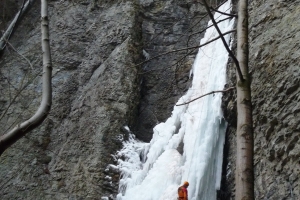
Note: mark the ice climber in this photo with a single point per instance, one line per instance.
(182, 191)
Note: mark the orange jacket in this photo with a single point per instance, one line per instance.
(182, 193)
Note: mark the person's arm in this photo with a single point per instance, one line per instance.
(185, 194)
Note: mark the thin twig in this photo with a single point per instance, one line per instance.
(6, 35)
(223, 13)
(183, 49)
(208, 27)
(201, 18)
(18, 93)
(17, 118)
(181, 59)
(231, 88)
(18, 53)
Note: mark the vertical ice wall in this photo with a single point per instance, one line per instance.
(198, 125)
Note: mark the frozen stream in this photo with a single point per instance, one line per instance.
(199, 126)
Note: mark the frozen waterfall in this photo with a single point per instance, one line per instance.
(199, 126)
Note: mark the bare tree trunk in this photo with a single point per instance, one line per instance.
(244, 179)
(20, 130)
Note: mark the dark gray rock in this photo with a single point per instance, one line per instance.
(94, 46)
(97, 90)
(166, 26)
(275, 74)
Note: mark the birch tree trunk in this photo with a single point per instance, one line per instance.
(20, 130)
(244, 180)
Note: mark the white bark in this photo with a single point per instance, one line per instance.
(244, 179)
(20, 130)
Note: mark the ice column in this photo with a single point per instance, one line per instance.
(153, 171)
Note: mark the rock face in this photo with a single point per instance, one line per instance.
(95, 46)
(98, 88)
(167, 25)
(8, 10)
(274, 52)
(276, 95)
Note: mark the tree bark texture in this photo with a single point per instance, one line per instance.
(244, 179)
(20, 130)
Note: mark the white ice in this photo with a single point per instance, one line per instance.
(154, 171)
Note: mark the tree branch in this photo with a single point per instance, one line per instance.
(19, 53)
(20, 130)
(224, 42)
(209, 27)
(202, 17)
(5, 37)
(231, 88)
(223, 13)
(18, 93)
(183, 49)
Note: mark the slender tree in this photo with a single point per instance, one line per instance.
(20, 130)
(244, 179)
(244, 161)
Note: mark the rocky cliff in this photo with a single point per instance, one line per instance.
(98, 88)
(274, 52)
(95, 47)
